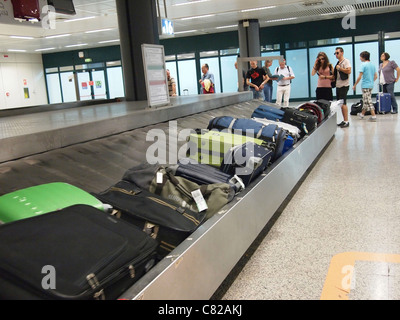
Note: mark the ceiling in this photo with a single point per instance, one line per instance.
(95, 23)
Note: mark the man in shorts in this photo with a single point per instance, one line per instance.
(342, 75)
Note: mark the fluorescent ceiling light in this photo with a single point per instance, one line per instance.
(22, 37)
(58, 36)
(76, 45)
(45, 49)
(198, 17)
(98, 30)
(188, 31)
(278, 20)
(16, 50)
(224, 27)
(108, 41)
(80, 19)
(255, 9)
(186, 3)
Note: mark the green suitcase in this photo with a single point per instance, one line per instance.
(37, 200)
(210, 146)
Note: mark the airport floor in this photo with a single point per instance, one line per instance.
(338, 236)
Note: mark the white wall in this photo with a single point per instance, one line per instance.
(19, 71)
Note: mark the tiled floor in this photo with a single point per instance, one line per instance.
(349, 202)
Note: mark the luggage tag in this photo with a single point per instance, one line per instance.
(199, 199)
(159, 177)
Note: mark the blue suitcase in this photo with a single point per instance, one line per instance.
(383, 103)
(268, 112)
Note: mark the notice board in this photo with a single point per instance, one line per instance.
(155, 75)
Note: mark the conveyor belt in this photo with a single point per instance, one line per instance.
(96, 165)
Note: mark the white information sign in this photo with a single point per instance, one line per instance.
(155, 75)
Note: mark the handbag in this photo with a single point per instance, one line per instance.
(333, 82)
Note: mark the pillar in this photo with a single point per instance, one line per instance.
(137, 21)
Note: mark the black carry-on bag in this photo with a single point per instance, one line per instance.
(77, 253)
(160, 218)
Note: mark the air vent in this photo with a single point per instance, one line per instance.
(326, 10)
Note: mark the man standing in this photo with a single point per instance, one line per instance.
(284, 85)
(255, 79)
(342, 72)
(207, 75)
(367, 77)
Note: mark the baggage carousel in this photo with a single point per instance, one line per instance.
(94, 155)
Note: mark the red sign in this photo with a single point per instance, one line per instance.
(91, 83)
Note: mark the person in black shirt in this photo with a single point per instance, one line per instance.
(256, 79)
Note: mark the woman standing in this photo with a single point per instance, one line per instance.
(387, 78)
(269, 85)
(324, 70)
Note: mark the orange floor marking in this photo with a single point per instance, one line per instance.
(338, 281)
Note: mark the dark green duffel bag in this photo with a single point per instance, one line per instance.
(161, 181)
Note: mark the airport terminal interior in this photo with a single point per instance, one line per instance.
(321, 223)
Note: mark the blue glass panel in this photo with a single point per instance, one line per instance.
(393, 48)
(229, 74)
(297, 61)
(373, 49)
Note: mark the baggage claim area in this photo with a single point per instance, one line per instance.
(76, 178)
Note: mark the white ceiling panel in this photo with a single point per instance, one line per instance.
(95, 23)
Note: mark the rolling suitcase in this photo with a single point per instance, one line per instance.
(210, 146)
(268, 112)
(36, 200)
(160, 218)
(247, 161)
(273, 136)
(383, 103)
(26, 10)
(313, 109)
(305, 121)
(77, 253)
(205, 174)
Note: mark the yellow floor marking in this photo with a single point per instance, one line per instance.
(338, 281)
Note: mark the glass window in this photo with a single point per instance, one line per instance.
(115, 82)
(330, 52)
(297, 61)
(99, 84)
(275, 64)
(188, 82)
(370, 37)
(325, 42)
(229, 52)
(206, 54)
(68, 86)
(392, 47)
(229, 74)
(51, 70)
(373, 49)
(213, 63)
(171, 66)
(85, 89)
(53, 88)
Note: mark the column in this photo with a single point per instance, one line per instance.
(249, 38)
(138, 24)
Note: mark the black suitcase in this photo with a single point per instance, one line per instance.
(205, 174)
(247, 161)
(306, 122)
(156, 216)
(77, 253)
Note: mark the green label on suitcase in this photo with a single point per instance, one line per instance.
(37, 200)
(211, 146)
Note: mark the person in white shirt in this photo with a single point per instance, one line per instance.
(284, 85)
